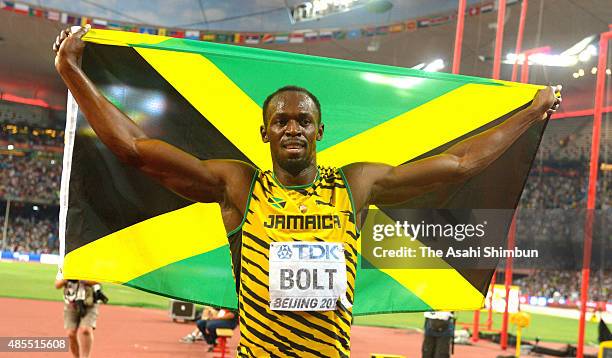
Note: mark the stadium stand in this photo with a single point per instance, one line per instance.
(31, 234)
(564, 285)
(33, 177)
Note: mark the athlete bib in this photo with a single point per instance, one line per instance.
(306, 276)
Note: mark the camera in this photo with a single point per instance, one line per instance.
(98, 295)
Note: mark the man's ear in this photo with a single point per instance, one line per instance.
(264, 134)
(320, 131)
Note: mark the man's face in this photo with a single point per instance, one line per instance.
(293, 129)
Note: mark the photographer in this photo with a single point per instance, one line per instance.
(81, 301)
(439, 331)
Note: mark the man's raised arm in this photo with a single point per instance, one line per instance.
(204, 181)
(381, 184)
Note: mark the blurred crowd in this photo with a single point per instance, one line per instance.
(22, 133)
(31, 234)
(563, 285)
(30, 178)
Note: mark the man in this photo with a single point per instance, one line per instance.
(80, 315)
(288, 306)
(438, 332)
(208, 313)
(208, 327)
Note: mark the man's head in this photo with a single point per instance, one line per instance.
(292, 125)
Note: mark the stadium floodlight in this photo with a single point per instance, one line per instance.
(434, 66)
(582, 51)
(402, 82)
(317, 9)
(399, 82)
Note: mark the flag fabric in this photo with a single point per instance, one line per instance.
(7, 5)
(326, 35)
(53, 15)
(411, 25)
(281, 38)
(369, 31)
(354, 34)
(21, 8)
(148, 30)
(177, 33)
(296, 37)
(267, 39)
(439, 20)
(382, 30)
(339, 35)
(114, 26)
(224, 37)
(192, 34)
(85, 20)
(474, 10)
(399, 27)
(311, 36)
(488, 7)
(99, 24)
(423, 23)
(117, 225)
(209, 37)
(252, 39)
(238, 38)
(37, 12)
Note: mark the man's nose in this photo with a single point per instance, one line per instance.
(293, 128)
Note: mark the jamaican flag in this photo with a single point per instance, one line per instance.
(120, 226)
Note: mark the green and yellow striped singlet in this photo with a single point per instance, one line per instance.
(323, 212)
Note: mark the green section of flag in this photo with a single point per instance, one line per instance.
(375, 291)
(184, 279)
(384, 91)
(376, 102)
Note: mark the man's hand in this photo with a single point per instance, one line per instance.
(60, 283)
(546, 101)
(69, 46)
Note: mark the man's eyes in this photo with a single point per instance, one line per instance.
(283, 121)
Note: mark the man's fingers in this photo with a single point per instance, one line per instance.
(82, 30)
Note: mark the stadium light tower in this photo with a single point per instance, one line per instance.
(588, 225)
(499, 39)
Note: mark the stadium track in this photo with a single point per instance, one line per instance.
(144, 332)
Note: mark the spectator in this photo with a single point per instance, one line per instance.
(208, 324)
(224, 319)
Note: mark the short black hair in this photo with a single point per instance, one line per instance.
(290, 88)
